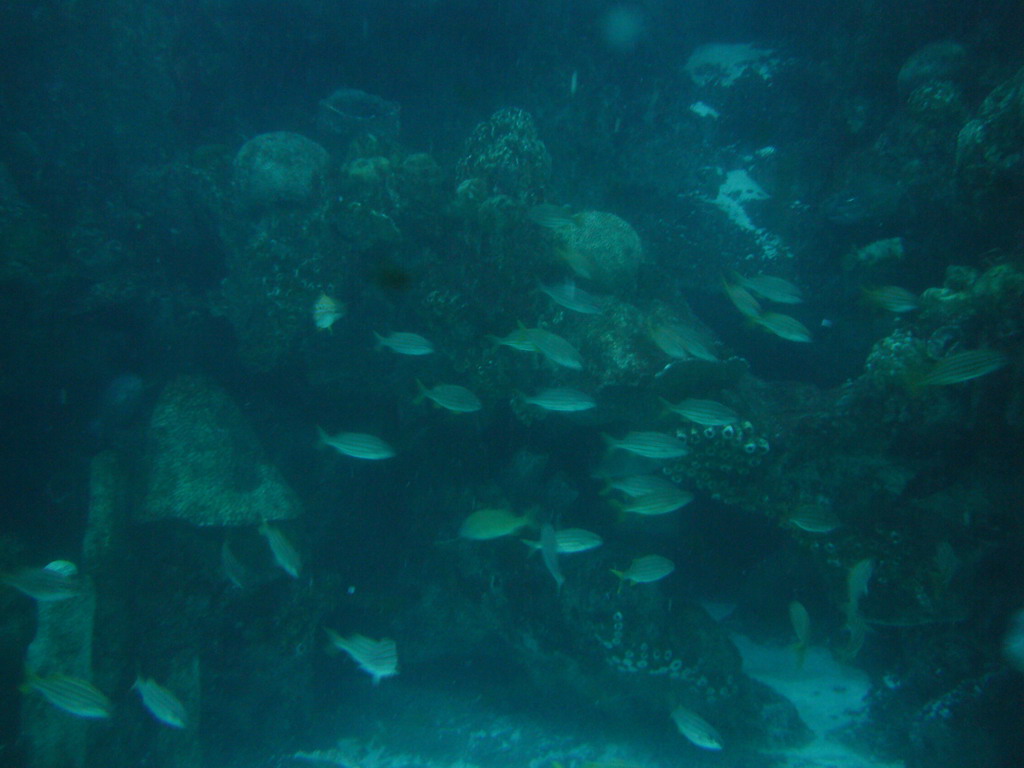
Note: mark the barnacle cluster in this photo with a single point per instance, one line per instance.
(722, 461)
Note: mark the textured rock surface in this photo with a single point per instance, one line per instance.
(205, 464)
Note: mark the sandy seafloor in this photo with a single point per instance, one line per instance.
(402, 724)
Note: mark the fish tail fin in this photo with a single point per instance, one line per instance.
(799, 649)
(378, 339)
(609, 441)
(667, 406)
(321, 437)
(30, 680)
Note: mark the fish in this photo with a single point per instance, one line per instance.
(357, 445)
(771, 288)
(405, 343)
(639, 485)
(696, 729)
(742, 300)
(646, 569)
(520, 339)
(378, 658)
(486, 524)
(657, 502)
(549, 551)
(682, 342)
(327, 311)
(284, 551)
(568, 295)
(555, 348)
(570, 541)
(561, 399)
(783, 326)
(451, 397)
(50, 583)
(653, 445)
(161, 703)
(813, 518)
(707, 413)
(551, 216)
(72, 694)
(857, 579)
(962, 366)
(236, 572)
(801, 622)
(892, 298)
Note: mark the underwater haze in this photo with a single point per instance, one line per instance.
(512, 384)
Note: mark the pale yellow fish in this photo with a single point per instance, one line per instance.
(857, 580)
(563, 399)
(707, 413)
(658, 502)
(962, 366)
(358, 445)
(892, 298)
(487, 524)
(451, 397)
(772, 288)
(813, 518)
(555, 348)
(784, 326)
(327, 311)
(47, 584)
(285, 554)
(639, 485)
(857, 631)
(696, 729)
(405, 343)
(646, 569)
(71, 694)
(378, 658)
(161, 703)
(550, 216)
(572, 297)
(570, 541)
(652, 445)
(520, 339)
(683, 341)
(742, 300)
(801, 622)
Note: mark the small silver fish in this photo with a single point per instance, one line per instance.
(405, 343)
(378, 658)
(451, 397)
(571, 297)
(555, 348)
(742, 300)
(653, 445)
(284, 551)
(161, 703)
(358, 445)
(784, 326)
(48, 584)
(707, 413)
(639, 485)
(658, 502)
(772, 288)
(561, 399)
(485, 524)
(696, 729)
(570, 541)
(646, 569)
(72, 694)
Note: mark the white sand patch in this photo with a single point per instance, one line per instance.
(724, 63)
(828, 695)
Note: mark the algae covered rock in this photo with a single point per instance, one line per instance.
(206, 466)
(508, 156)
(604, 248)
(279, 168)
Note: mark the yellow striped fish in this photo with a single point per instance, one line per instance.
(772, 288)
(48, 584)
(283, 550)
(485, 524)
(783, 326)
(892, 298)
(639, 485)
(451, 397)
(555, 348)
(563, 399)
(696, 729)
(652, 445)
(378, 658)
(742, 300)
(962, 366)
(357, 445)
(646, 569)
(405, 343)
(161, 703)
(72, 694)
(570, 541)
(707, 413)
(657, 503)
(801, 622)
